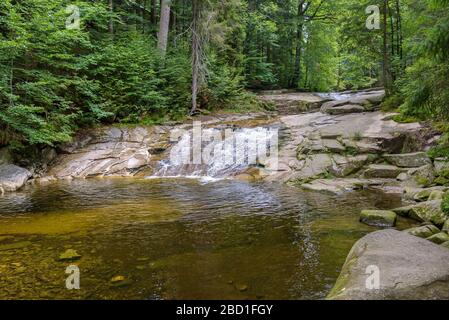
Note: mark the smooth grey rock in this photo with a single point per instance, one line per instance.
(13, 177)
(107, 151)
(408, 160)
(409, 268)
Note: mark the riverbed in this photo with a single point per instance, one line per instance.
(178, 239)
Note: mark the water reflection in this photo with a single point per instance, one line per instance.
(178, 239)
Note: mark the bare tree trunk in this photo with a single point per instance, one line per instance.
(196, 54)
(111, 22)
(154, 12)
(164, 26)
(386, 58)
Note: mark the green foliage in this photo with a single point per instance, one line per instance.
(442, 149)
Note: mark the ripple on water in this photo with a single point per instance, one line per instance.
(178, 238)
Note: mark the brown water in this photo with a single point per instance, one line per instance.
(178, 239)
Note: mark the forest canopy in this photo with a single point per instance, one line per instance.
(65, 65)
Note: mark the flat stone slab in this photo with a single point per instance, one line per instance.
(383, 171)
(345, 109)
(408, 160)
(407, 267)
(339, 186)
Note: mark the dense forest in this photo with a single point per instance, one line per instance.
(65, 65)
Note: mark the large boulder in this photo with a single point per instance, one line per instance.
(108, 151)
(429, 211)
(408, 160)
(422, 176)
(13, 177)
(409, 268)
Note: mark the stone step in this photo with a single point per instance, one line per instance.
(383, 171)
(408, 160)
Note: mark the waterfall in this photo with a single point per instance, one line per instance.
(219, 153)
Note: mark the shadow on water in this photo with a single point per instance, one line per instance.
(178, 239)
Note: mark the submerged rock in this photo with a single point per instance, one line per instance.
(69, 255)
(409, 268)
(13, 177)
(378, 218)
(408, 160)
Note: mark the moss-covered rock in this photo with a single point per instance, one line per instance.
(424, 231)
(446, 244)
(382, 171)
(439, 238)
(69, 255)
(429, 211)
(378, 218)
(436, 195)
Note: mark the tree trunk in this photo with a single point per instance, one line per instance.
(299, 36)
(154, 12)
(111, 22)
(386, 58)
(164, 26)
(196, 54)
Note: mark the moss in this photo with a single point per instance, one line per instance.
(445, 204)
(405, 119)
(351, 151)
(441, 181)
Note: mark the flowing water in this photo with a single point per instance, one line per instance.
(178, 239)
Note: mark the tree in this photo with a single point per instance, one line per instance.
(164, 26)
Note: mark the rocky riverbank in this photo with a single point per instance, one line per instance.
(328, 143)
